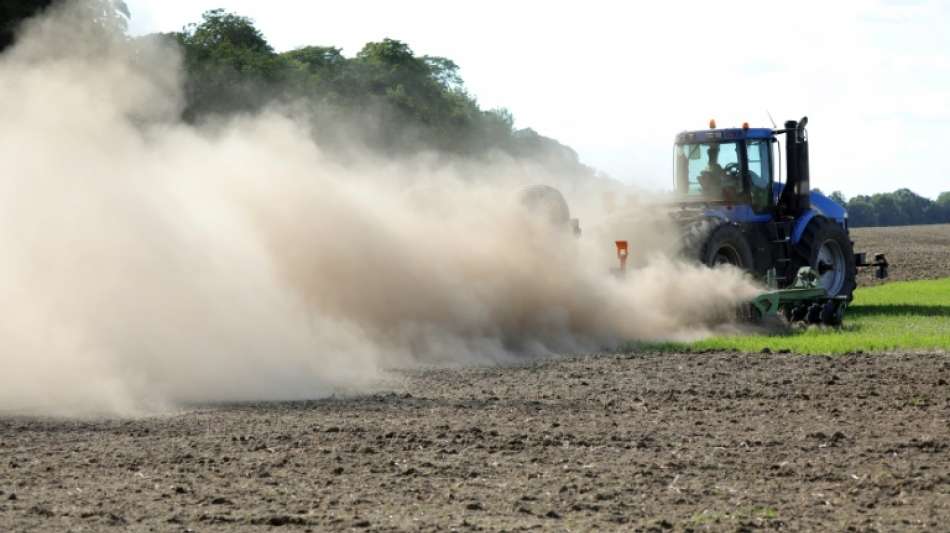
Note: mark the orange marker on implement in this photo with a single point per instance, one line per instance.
(622, 252)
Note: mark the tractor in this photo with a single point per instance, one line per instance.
(735, 208)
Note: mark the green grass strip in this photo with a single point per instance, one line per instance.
(911, 315)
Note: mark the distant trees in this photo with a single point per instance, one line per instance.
(837, 196)
(898, 208)
(942, 206)
(386, 98)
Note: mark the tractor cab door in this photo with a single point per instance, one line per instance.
(759, 172)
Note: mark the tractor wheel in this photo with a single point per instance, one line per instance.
(726, 245)
(548, 203)
(825, 247)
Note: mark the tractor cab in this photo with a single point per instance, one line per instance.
(736, 168)
(727, 166)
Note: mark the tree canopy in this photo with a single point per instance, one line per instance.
(14, 12)
(113, 14)
(386, 97)
(899, 208)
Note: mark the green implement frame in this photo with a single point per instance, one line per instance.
(805, 301)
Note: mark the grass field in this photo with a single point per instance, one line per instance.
(910, 315)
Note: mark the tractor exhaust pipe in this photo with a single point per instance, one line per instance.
(796, 197)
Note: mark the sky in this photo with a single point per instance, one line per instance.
(617, 80)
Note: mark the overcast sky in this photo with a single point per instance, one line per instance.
(617, 80)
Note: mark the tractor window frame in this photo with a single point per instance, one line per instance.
(763, 202)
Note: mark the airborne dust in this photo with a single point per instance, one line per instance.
(147, 263)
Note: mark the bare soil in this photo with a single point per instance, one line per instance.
(648, 442)
(915, 252)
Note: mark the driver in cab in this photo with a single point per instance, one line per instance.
(717, 183)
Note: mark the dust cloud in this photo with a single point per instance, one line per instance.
(147, 263)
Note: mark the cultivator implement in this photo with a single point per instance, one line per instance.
(804, 301)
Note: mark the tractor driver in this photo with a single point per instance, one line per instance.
(712, 176)
(717, 182)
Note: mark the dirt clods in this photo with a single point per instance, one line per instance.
(651, 442)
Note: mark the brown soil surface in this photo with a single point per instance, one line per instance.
(629, 442)
(915, 252)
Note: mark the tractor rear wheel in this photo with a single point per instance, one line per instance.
(826, 247)
(548, 203)
(726, 245)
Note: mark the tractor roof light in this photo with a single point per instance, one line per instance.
(712, 123)
(745, 126)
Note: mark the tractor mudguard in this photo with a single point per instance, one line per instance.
(800, 225)
(820, 205)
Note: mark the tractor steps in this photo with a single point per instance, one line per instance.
(780, 237)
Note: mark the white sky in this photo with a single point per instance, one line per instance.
(617, 80)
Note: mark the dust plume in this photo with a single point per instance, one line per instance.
(148, 263)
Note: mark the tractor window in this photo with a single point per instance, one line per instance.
(708, 171)
(760, 173)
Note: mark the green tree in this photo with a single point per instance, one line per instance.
(222, 31)
(421, 99)
(888, 211)
(314, 75)
(444, 71)
(861, 212)
(14, 12)
(231, 67)
(942, 208)
(914, 208)
(386, 97)
(317, 59)
(109, 14)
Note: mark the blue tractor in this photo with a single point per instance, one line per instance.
(735, 208)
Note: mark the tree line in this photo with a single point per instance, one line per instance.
(385, 98)
(902, 207)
